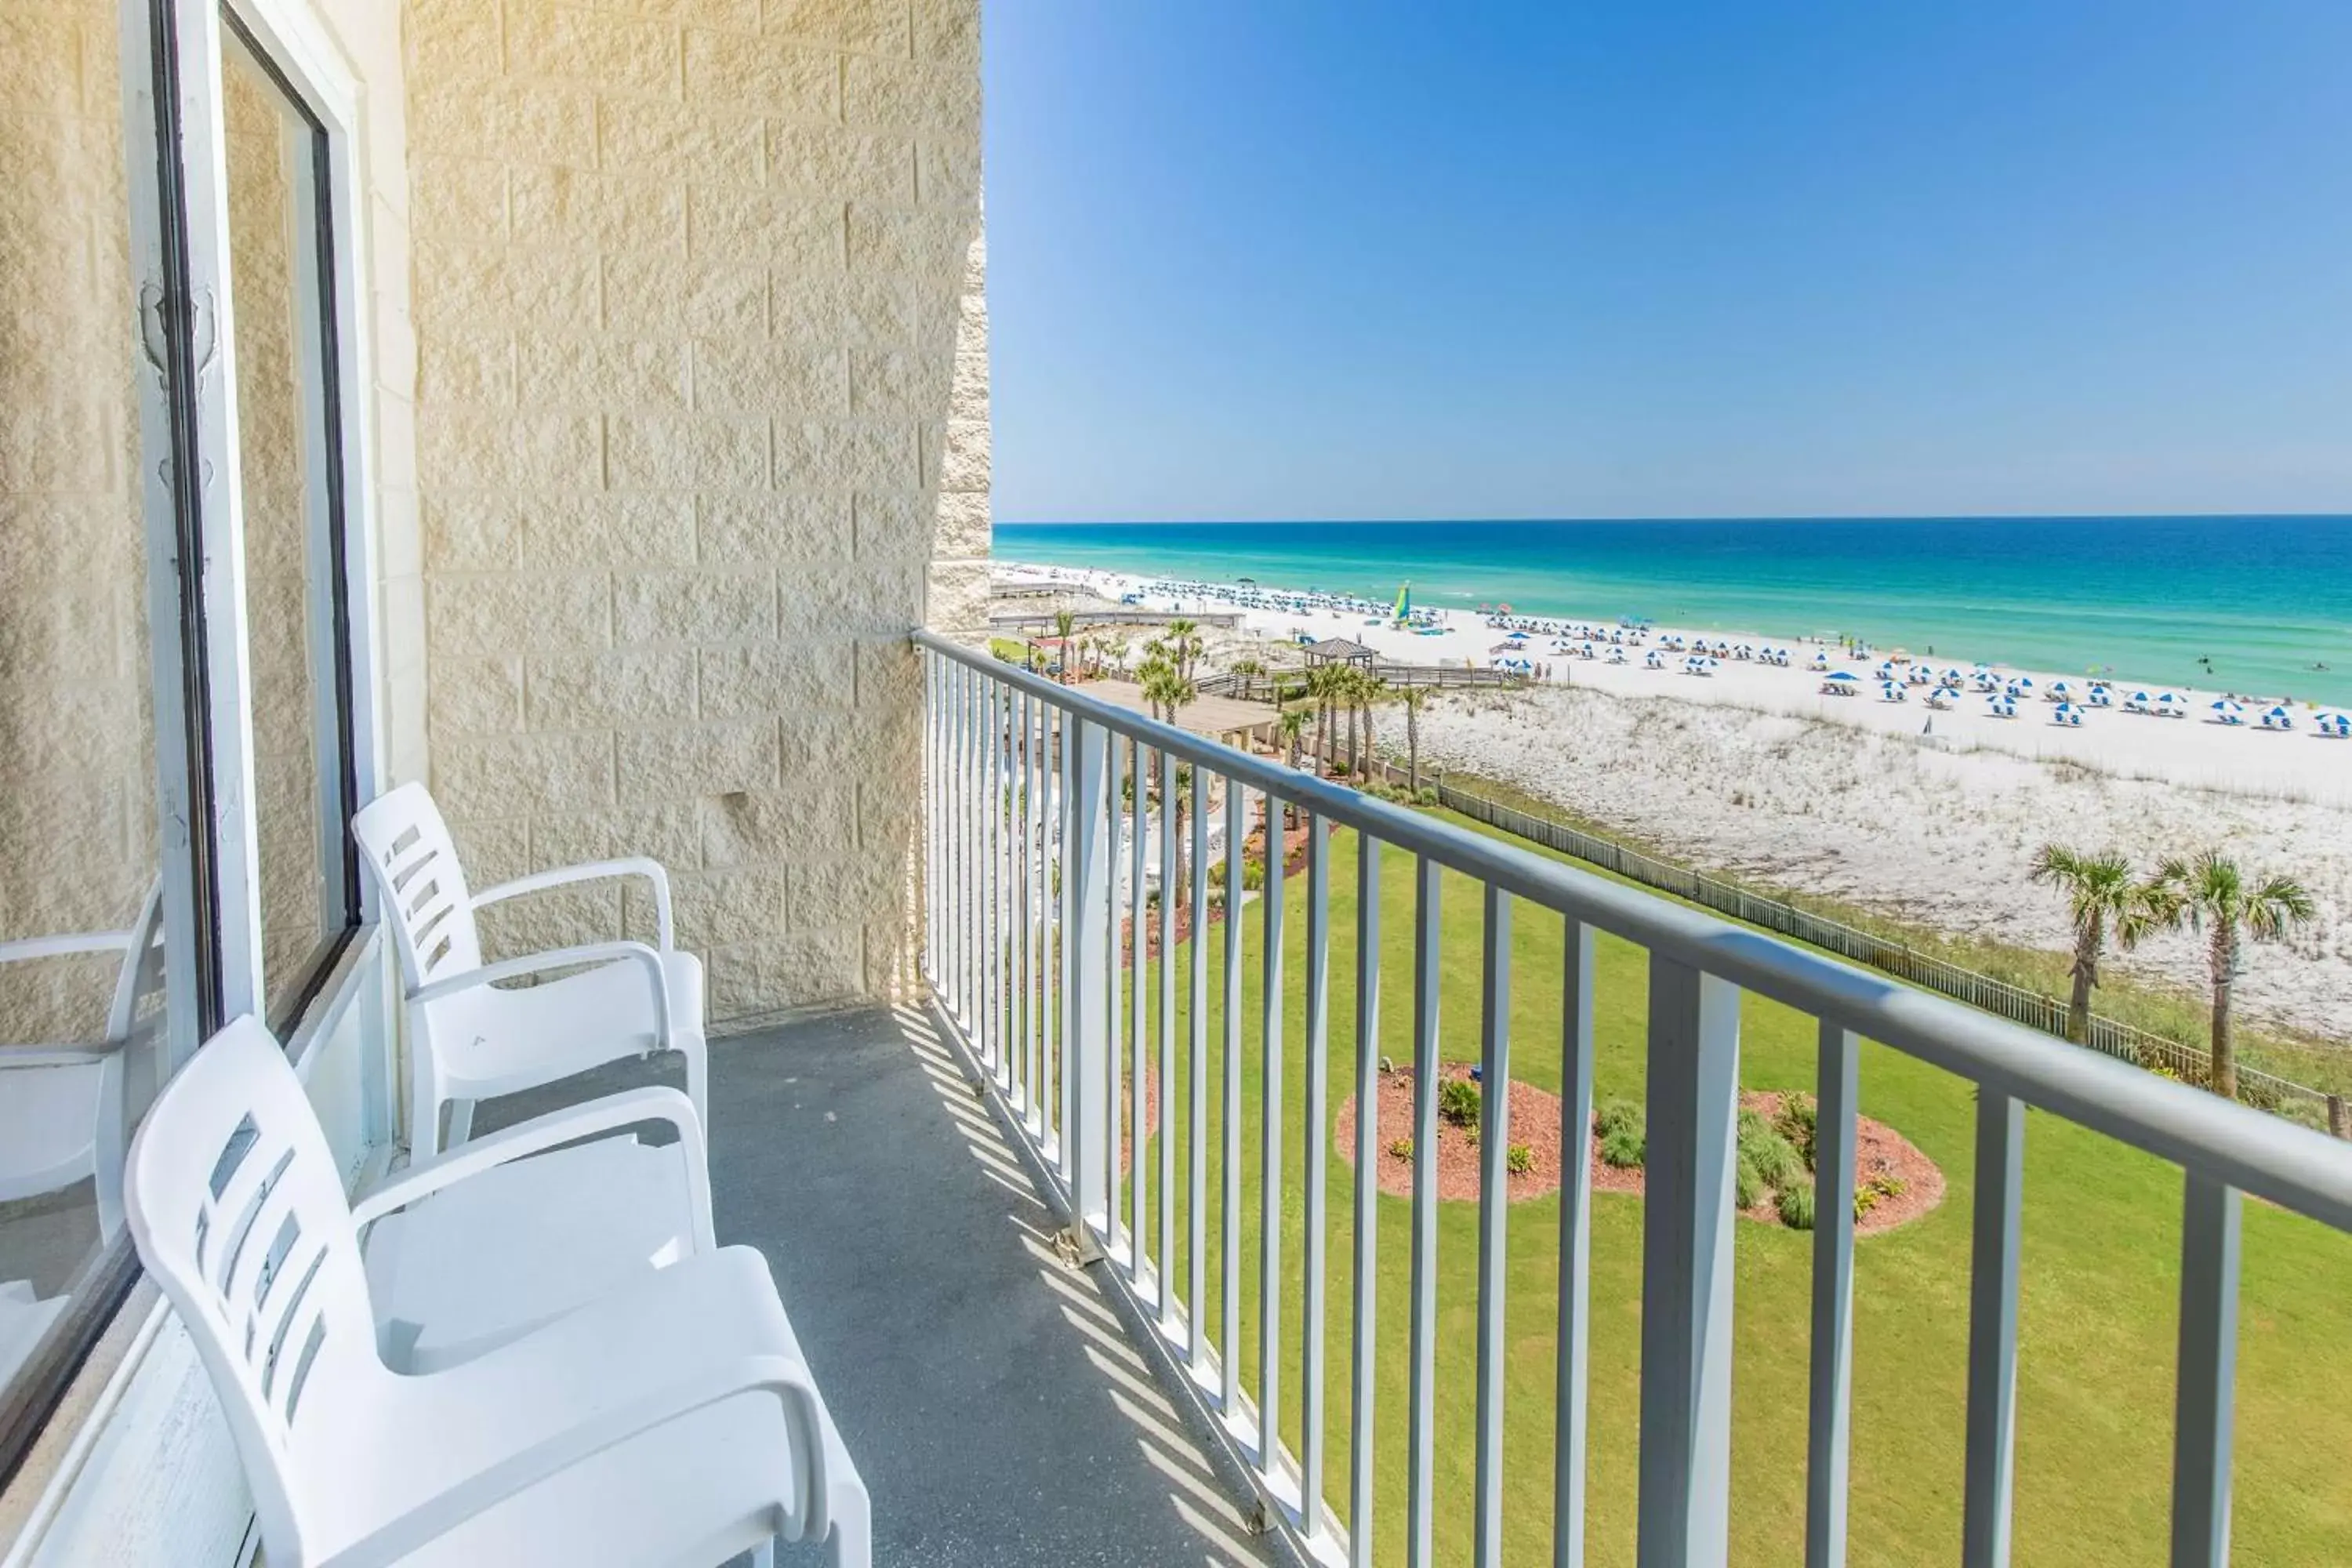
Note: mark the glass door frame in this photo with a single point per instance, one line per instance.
(175, 155)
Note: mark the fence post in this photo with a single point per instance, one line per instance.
(2336, 1115)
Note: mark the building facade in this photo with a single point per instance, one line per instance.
(575, 407)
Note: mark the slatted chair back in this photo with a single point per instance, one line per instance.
(412, 863)
(238, 1209)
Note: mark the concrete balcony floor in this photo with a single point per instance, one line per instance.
(998, 1403)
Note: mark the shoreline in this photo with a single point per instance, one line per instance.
(2295, 764)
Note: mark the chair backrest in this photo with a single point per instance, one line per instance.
(237, 1210)
(412, 863)
(143, 967)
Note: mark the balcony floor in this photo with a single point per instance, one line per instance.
(992, 1397)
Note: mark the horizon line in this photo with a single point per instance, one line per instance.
(1678, 517)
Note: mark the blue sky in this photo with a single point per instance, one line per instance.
(1270, 258)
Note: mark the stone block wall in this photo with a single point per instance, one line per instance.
(702, 435)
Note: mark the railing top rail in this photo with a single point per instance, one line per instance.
(2290, 1165)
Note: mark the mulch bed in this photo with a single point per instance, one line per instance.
(1535, 1122)
(1879, 1150)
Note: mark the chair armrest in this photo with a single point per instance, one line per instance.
(679, 1339)
(589, 871)
(33, 947)
(563, 958)
(557, 1128)
(592, 1429)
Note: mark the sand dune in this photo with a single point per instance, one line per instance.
(1941, 837)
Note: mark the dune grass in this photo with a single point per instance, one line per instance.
(2097, 1317)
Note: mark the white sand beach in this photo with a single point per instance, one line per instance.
(1751, 769)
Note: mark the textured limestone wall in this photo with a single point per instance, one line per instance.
(702, 435)
(77, 819)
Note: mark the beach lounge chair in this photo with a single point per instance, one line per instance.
(471, 1041)
(671, 1420)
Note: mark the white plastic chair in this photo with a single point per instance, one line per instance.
(670, 1421)
(62, 1112)
(471, 1041)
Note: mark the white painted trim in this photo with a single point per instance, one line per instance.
(166, 671)
(228, 675)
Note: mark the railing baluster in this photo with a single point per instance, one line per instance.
(1052, 912)
(1494, 1220)
(1140, 1040)
(1829, 1407)
(1269, 1173)
(1019, 907)
(1318, 1052)
(991, 1029)
(929, 664)
(1106, 1088)
(2208, 1375)
(1568, 1457)
(960, 997)
(1041, 854)
(1065, 945)
(1231, 1190)
(1687, 1266)
(1992, 1331)
(1168, 814)
(1421, 1435)
(1364, 1380)
(1089, 1013)
(1196, 1243)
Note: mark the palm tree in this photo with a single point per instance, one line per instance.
(1247, 672)
(1184, 642)
(1371, 690)
(1319, 692)
(1414, 699)
(1065, 622)
(2211, 895)
(1290, 727)
(2100, 892)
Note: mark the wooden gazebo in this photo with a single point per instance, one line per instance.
(1338, 650)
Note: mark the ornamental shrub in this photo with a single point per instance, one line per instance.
(1624, 1148)
(1796, 1122)
(1520, 1159)
(1459, 1101)
(1796, 1204)
(1617, 1116)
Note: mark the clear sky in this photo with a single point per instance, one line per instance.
(1273, 258)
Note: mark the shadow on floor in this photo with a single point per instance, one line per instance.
(997, 1409)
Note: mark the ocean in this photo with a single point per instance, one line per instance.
(2250, 604)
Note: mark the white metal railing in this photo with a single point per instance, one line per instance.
(1028, 903)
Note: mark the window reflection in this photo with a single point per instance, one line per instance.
(291, 514)
(81, 995)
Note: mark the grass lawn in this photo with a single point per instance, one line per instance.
(2097, 1318)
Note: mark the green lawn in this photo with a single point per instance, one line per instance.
(2097, 1318)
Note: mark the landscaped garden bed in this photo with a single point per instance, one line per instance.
(1894, 1182)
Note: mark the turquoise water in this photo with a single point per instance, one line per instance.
(2264, 599)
